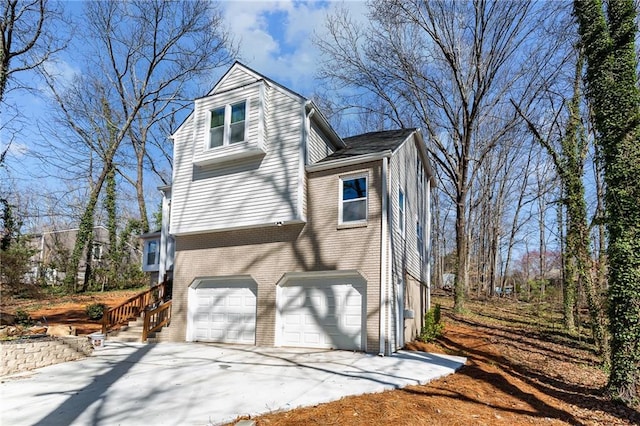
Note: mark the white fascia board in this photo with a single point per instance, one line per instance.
(343, 162)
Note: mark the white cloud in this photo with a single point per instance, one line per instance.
(16, 149)
(62, 71)
(276, 37)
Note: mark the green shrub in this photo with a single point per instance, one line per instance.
(22, 318)
(433, 326)
(95, 310)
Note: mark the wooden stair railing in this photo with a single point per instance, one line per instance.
(155, 319)
(133, 307)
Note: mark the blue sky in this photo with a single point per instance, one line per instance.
(274, 37)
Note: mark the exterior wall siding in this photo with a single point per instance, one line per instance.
(414, 299)
(403, 176)
(408, 266)
(236, 78)
(318, 146)
(243, 193)
(267, 253)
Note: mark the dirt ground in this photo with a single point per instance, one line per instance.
(67, 310)
(521, 369)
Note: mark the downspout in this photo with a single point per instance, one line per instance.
(383, 260)
(391, 292)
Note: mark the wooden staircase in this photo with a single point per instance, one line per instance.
(132, 332)
(141, 317)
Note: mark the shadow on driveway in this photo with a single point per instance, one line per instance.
(97, 390)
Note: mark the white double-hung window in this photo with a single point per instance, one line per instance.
(227, 124)
(353, 199)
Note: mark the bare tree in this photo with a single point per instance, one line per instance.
(567, 145)
(28, 39)
(446, 66)
(142, 57)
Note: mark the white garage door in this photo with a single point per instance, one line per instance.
(322, 313)
(224, 312)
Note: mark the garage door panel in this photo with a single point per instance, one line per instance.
(225, 312)
(322, 313)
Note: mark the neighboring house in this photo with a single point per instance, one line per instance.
(54, 248)
(288, 235)
(158, 247)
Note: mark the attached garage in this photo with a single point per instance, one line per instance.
(322, 310)
(222, 310)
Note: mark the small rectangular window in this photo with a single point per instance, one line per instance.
(420, 239)
(152, 252)
(401, 211)
(353, 200)
(96, 251)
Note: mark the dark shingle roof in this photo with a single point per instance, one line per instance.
(370, 143)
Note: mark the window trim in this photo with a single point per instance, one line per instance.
(226, 132)
(341, 200)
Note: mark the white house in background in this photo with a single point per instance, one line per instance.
(287, 234)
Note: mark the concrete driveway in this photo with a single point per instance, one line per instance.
(201, 384)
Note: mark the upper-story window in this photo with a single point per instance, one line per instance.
(420, 239)
(353, 199)
(227, 124)
(401, 210)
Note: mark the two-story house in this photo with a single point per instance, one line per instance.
(288, 235)
(52, 250)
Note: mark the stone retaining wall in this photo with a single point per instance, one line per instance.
(27, 355)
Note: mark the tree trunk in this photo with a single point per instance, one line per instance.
(460, 286)
(613, 91)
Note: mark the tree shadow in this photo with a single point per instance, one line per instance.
(67, 412)
(574, 394)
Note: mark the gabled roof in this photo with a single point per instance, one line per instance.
(371, 143)
(258, 76)
(309, 104)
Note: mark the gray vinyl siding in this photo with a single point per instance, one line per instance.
(318, 146)
(242, 193)
(403, 166)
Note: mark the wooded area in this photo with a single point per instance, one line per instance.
(530, 111)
